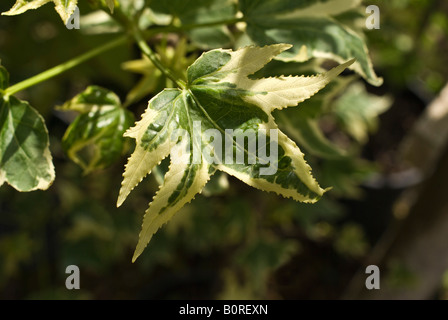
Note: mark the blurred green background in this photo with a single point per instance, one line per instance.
(240, 243)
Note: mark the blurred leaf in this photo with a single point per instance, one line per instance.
(14, 250)
(98, 22)
(350, 241)
(93, 97)
(309, 136)
(302, 123)
(95, 139)
(311, 28)
(199, 12)
(358, 111)
(111, 5)
(261, 257)
(219, 95)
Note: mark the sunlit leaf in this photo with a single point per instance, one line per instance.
(220, 102)
(64, 8)
(153, 80)
(25, 159)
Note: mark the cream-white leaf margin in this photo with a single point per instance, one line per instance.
(64, 8)
(268, 94)
(154, 216)
(276, 92)
(141, 159)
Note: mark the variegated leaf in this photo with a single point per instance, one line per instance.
(94, 140)
(25, 158)
(64, 8)
(222, 121)
(312, 27)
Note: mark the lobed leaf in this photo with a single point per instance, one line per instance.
(176, 59)
(94, 140)
(221, 108)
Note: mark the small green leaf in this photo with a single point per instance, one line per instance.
(25, 159)
(302, 124)
(345, 175)
(221, 108)
(358, 111)
(64, 8)
(111, 5)
(176, 59)
(99, 22)
(306, 132)
(95, 139)
(93, 97)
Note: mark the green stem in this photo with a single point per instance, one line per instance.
(140, 39)
(57, 70)
(154, 59)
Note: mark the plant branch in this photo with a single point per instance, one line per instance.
(57, 70)
(139, 37)
(147, 51)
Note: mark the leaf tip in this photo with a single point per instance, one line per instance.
(135, 256)
(349, 62)
(121, 197)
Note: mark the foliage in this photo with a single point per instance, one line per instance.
(227, 65)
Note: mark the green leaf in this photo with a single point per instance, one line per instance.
(95, 139)
(302, 124)
(199, 12)
(176, 59)
(64, 8)
(306, 132)
(221, 109)
(25, 159)
(99, 22)
(111, 5)
(309, 25)
(93, 97)
(358, 111)
(345, 175)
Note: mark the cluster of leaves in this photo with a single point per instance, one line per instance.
(237, 88)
